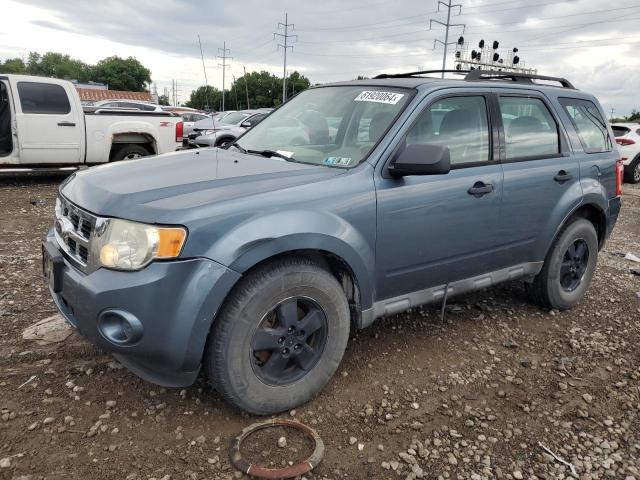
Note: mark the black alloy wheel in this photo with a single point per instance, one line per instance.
(574, 265)
(289, 341)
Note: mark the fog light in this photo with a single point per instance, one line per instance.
(119, 327)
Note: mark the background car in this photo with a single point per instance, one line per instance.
(189, 119)
(217, 132)
(628, 140)
(129, 104)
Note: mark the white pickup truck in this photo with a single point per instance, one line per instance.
(43, 125)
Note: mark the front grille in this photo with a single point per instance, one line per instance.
(73, 230)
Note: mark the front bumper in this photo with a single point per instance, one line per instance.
(174, 304)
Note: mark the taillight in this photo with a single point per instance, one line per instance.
(625, 141)
(619, 177)
(179, 131)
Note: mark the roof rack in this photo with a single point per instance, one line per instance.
(515, 77)
(479, 74)
(413, 74)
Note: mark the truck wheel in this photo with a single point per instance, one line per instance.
(632, 171)
(129, 151)
(568, 268)
(279, 337)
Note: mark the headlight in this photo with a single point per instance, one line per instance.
(208, 132)
(125, 245)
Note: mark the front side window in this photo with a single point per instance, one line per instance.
(44, 98)
(589, 124)
(335, 126)
(460, 123)
(529, 128)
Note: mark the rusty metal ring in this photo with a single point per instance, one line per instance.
(287, 472)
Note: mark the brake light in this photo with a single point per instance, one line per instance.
(179, 131)
(625, 141)
(619, 177)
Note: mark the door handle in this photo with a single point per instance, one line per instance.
(563, 177)
(66, 124)
(479, 189)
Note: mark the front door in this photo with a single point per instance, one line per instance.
(441, 228)
(50, 126)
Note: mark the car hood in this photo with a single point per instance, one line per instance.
(170, 188)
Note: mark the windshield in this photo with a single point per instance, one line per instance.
(233, 118)
(332, 126)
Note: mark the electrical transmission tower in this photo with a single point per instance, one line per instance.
(449, 6)
(224, 56)
(286, 45)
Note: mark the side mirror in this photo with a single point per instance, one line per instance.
(246, 124)
(422, 159)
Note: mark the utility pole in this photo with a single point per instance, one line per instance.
(225, 55)
(235, 89)
(286, 45)
(611, 117)
(447, 25)
(246, 87)
(206, 82)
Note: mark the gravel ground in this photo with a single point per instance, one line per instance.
(476, 397)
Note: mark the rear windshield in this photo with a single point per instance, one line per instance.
(620, 131)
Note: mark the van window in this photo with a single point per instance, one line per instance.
(529, 128)
(45, 98)
(589, 124)
(460, 123)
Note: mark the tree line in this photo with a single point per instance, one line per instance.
(253, 90)
(119, 73)
(634, 117)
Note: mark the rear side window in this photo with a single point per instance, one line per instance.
(620, 131)
(589, 124)
(45, 98)
(460, 123)
(529, 128)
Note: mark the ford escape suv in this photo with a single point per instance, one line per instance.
(254, 262)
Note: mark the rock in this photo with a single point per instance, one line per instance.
(360, 447)
(5, 462)
(352, 440)
(415, 405)
(385, 465)
(452, 459)
(587, 398)
(110, 403)
(394, 465)
(52, 329)
(48, 420)
(518, 475)
(282, 442)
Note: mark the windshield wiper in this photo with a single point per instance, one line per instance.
(271, 153)
(235, 144)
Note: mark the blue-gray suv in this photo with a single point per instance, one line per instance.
(254, 262)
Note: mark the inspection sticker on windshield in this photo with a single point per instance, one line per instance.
(379, 97)
(338, 161)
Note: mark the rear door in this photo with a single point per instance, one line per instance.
(541, 175)
(434, 229)
(50, 129)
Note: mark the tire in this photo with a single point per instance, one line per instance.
(224, 140)
(557, 286)
(242, 374)
(129, 151)
(632, 171)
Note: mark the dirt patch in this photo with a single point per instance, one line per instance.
(469, 398)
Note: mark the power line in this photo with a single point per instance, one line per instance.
(286, 46)
(447, 26)
(225, 55)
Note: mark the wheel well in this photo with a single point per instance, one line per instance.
(596, 216)
(143, 139)
(334, 264)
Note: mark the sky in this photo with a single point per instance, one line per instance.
(592, 43)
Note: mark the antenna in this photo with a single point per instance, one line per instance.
(206, 82)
